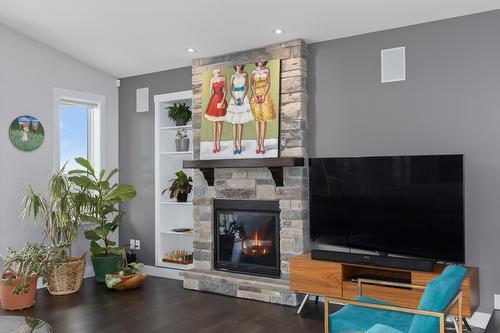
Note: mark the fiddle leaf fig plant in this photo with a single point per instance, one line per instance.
(102, 199)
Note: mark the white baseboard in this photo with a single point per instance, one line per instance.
(89, 272)
(163, 272)
(479, 319)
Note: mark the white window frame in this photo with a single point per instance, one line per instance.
(96, 136)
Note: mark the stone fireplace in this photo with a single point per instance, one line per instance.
(248, 221)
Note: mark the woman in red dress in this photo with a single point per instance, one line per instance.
(216, 109)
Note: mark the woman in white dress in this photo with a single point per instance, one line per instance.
(238, 110)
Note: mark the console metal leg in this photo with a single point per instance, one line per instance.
(316, 300)
(455, 323)
(467, 326)
(303, 303)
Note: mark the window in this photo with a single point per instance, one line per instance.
(78, 128)
(73, 134)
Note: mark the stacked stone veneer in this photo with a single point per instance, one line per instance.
(255, 183)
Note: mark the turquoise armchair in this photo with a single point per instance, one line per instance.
(373, 316)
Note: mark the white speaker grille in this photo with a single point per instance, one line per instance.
(393, 63)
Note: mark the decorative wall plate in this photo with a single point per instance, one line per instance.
(26, 133)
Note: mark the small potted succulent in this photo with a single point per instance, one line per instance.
(180, 113)
(180, 187)
(21, 271)
(182, 140)
(129, 277)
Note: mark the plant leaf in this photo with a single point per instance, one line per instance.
(86, 164)
(96, 249)
(121, 193)
(91, 235)
(111, 174)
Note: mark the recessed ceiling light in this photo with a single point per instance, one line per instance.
(190, 50)
(278, 31)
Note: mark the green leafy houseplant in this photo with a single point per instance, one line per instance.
(180, 113)
(32, 259)
(22, 269)
(112, 280)
(101, 200)
(59, 212)
(180, 187)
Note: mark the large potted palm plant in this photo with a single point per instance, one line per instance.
(59, 211)
(101, 200)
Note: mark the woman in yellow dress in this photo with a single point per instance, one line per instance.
(262, 104)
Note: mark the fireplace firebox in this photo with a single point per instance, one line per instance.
(247, 237)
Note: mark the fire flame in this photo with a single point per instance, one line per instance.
(255, 246)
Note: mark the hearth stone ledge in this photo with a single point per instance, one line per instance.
(242, 286)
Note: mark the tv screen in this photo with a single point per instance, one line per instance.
(406, 205)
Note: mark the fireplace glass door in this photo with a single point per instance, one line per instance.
(247, 237)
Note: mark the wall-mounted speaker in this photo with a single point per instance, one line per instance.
(393, 64)
(142, 100)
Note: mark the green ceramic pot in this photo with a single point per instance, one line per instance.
(106, 265)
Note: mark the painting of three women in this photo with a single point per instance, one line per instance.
(241, 111)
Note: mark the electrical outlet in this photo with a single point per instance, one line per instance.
(497, 302)
(132, 244)
(137, 244)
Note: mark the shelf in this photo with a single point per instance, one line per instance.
(174, 266)
(175, 203)
(176, 152)
(275, 165)
(175, 128)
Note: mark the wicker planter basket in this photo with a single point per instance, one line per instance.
(67, 278)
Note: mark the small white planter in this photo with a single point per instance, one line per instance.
(182, 144)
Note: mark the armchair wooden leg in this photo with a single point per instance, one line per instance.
(460, 315)
(327, 310)
(442, 324)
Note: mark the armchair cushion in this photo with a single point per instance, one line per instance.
(352, 318)
(379, 328)
(436, 297)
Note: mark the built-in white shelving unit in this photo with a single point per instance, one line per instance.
(170, 214)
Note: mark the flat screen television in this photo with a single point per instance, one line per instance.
(403, 205)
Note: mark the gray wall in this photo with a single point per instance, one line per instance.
(137, 154)
(29, 71)
(450, 103)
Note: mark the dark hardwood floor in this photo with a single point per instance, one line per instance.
(162, 305)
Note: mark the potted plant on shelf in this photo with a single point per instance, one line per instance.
(180, 113)
(180, 187)
(129, 277)
(21, 271)
(59, 212)
(101, 200)
(181, 140)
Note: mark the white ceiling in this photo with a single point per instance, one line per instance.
(130, 37)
